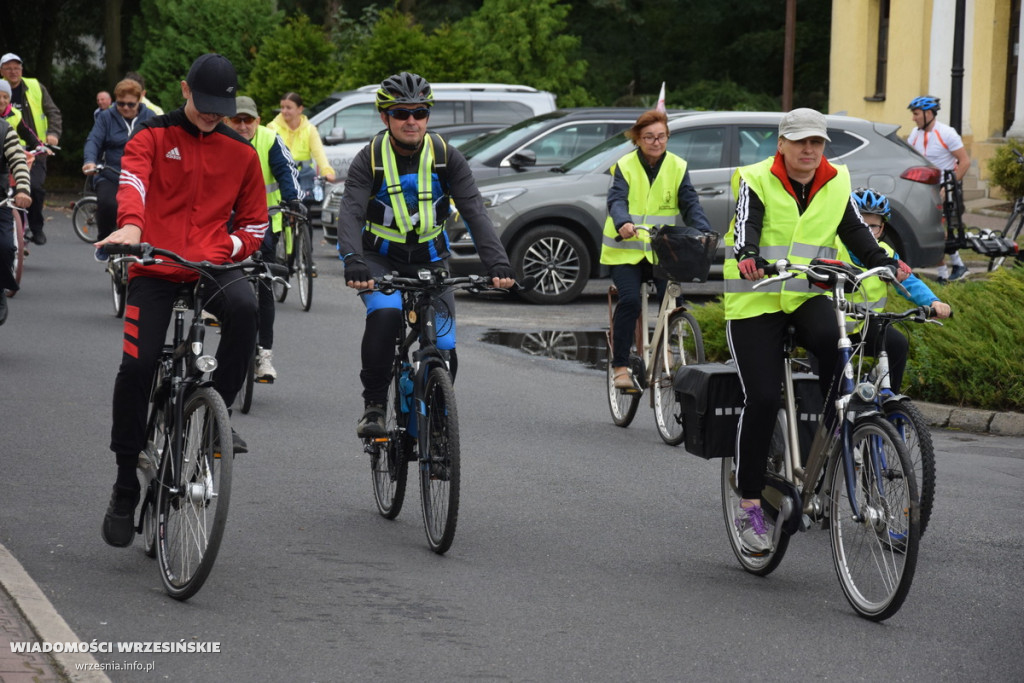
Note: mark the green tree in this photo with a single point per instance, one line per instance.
(396, 43)
(527, 42)
(175, 32)
(296, 56)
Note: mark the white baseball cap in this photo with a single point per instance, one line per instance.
(10, 57)
(800, 124)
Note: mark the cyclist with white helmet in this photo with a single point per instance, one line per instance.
(941, 145)
(398, 194)
(875, 212)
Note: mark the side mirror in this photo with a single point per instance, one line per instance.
(523, 158)
(336, 136)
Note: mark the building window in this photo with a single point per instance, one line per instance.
(882, 58)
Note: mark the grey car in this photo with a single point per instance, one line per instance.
(551, 222)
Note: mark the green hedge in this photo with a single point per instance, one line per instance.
(976, 359)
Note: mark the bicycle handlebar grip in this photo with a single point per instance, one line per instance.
(277, 269)
(527, 284)
(128, 249)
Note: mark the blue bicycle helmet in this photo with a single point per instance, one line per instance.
(924, 103)
(872, 201)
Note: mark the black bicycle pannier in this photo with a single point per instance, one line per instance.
(711, 399)
(809, 407)
(683, 254)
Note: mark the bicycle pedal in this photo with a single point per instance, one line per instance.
(264, 380)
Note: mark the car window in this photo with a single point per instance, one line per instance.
(702, 148)
(842, 143)
(503, 139)
(757, 143)
(360, 122)
(570, 141)
(500, 112)
(446, 112)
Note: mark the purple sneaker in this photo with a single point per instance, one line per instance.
(752, 529)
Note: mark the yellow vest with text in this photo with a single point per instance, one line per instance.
(785, 234)
(263, 140)
(650, 204)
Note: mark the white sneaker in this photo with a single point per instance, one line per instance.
(264, 366)
(753, 531)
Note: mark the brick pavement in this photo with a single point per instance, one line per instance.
(24, 667)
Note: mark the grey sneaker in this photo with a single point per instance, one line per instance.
(371, 425)
(752, 529)
(264, 370)
(958, 273)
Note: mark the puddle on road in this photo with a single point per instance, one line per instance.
(589, 348)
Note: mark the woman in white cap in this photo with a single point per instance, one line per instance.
(792, 206)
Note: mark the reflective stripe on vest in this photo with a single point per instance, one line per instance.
(785, 234)
(396, 220)
(263, 141)
(659, 202)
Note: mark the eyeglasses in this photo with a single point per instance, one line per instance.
(128, 105)
(404, 114)
(661, 137)
(242, 119)
(875, 226)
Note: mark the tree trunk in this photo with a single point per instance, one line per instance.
(112, 40)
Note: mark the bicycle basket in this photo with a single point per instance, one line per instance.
(683, 254)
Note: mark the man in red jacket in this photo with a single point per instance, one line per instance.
(182, 174)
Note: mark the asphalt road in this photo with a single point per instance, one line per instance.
(584, 552)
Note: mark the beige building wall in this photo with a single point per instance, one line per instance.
(919, 61)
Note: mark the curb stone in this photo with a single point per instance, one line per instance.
(973, 419)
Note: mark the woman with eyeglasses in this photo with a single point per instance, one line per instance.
(650, 186)
(303, 141)
(105, 145)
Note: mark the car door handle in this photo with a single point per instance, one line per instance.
(709, 192)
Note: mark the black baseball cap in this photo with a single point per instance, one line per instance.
(214, 83)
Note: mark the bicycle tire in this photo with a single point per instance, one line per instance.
(440, 462)
(622, 404)
(913, 427)
(685, 347)
(83, 220)
(282, 256)
(759, 565)
(18, 267)
(149, 464)
(875, 560)
(1011, 233)
(304, 267)
(118, 289)
(389, 464)
(245, 397)
(192, 511)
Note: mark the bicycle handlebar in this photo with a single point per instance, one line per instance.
(438, 280)
(147, 254)
(824, 271)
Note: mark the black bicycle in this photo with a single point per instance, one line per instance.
(187, 462)
(996, 245)
(295, 250)
(83, 211)
(267, 275)
(421, 419)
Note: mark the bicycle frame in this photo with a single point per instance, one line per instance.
(645, 337)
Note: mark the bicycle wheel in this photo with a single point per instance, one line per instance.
(763, 564)
(245, 396)
(440, 466)
(192, 508)
(118, 287)
(913, 428)
(622, 404)
(282, 256)
(304, 267)
(1010, 232)
(149, 463)
(388, 462)
(875, 558)
(83, 219)
(685, 347)
(19, 247)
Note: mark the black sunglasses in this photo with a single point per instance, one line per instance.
(130, 105)
(404, 114)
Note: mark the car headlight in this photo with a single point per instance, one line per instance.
(499, 197)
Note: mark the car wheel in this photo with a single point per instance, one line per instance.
(557, 258)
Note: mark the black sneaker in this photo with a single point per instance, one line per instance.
(238, 443)
(37, 237)
(371, 425)
(3, 307)
(119, 522)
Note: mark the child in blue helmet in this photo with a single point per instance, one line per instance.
(874, 211)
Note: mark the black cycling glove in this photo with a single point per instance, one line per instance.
(356, 269)
(501, 272)
(295, 206)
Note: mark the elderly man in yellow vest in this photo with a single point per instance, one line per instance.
(792, 206)
(281, 179)
(41, 115)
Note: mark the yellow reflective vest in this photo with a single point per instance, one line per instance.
(650, 204)
(34, 95)
(786, 233)
(263, 140)
(392, 219)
